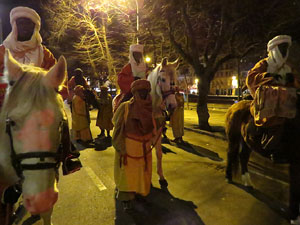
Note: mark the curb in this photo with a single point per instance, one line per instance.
(206, 133)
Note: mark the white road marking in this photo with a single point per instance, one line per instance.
(95, 178)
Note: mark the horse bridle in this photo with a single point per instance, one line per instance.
(16, 159)
(165, 94)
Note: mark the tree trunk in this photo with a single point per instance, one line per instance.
(202, 110)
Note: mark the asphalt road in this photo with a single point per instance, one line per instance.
(197, 193)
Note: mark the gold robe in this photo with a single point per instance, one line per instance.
(80, 122)
(133, 157)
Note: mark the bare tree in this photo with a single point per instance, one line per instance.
(86, 30)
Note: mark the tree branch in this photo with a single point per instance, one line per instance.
(178, 47)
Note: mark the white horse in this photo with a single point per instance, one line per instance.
(162, 80)
(30, 121)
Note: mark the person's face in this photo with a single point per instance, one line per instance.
(143, 94)
(283, 47)
(137, 57)
(25, 28)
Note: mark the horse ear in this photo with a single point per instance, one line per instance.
(57, 73)
(164, 61)
(175, 63)
(13, 68)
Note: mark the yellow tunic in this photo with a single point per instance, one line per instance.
(133, 160)
(177, 118)
(105, 113)
(80, 123)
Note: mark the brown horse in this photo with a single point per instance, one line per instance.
(237, 119)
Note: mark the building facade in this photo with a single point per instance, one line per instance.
(226, 79)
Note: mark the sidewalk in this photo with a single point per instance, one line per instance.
(217, 119)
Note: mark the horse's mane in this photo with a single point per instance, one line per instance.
(155, 90)
(29, 93)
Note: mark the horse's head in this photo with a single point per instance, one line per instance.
(162, 81)
(33, 111)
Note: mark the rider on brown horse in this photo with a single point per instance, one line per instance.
(268, 82)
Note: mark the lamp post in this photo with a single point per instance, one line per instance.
(137, 21)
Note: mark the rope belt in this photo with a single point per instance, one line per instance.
(123, 158)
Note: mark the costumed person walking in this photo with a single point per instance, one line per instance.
(80, 117)
(105, 113)
(177, 118)
(76, 79)
(135, 69)
(276, 125)
(132, 139)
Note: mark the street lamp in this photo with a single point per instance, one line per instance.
(137, 21)
(148, 59)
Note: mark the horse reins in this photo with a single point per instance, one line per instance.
(17, 158)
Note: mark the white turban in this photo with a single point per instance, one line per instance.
(276, 62)
(26, 52)
(26, 12)
(137, 48)
(138, 70)
(279, 40)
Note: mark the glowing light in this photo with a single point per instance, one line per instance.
(196, 81)
(148, 59)
(234, 82)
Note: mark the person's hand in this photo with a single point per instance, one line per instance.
(290, 78)
(276, 77)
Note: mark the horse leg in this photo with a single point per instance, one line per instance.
(294, 198)
(244, 158)
(46, 217)
(233, 150)
(162, 181)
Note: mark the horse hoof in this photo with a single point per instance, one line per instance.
(163, 183)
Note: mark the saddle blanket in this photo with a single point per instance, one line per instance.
(274, 101)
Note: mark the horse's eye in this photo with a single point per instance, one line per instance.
(11, 83)
(163, 79)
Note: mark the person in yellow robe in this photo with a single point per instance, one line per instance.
(132, 139)
(177, 118)
(105, 112)
(80, 117)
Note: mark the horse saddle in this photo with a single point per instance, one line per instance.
(274, 102)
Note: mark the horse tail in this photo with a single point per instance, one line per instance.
(236, 115)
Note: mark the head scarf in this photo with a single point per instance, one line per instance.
(26, 52)
(139, 121)
(276, 62)
(138, 70)
(104, 91)
(78, 90)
